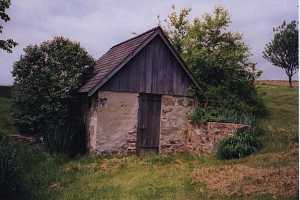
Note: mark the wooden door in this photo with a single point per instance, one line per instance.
(148, 123)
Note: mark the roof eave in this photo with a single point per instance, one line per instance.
(126, 60)
(159, 32)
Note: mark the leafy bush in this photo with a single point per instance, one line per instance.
(67, 138)
(238, 146)
(6, 124)
(39, 171)
(25, 173)
(9, 171)
(202, 115)
(219, 61)
(46, 82)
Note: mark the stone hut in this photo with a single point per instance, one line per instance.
(138, 98)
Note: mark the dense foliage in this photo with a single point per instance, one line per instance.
(218, 58)
(209, 114)
(45, 101)
(25, 173)
(283, 50)
(10, 172)
(238, 146)
(8, 44)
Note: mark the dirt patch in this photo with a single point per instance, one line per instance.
(244, 180)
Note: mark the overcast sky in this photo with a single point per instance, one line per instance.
(99, 24)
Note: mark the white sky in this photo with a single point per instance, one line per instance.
(99, 24)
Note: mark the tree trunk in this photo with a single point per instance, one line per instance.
(290, 81)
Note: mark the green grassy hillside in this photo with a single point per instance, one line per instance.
(272, 173)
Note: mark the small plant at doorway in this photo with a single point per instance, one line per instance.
(238, 146)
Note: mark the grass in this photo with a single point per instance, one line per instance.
(173, 176)
(151, 177)
(281, 124)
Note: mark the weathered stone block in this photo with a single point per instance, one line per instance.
(178, 134)
(113, 117)
(168, 101)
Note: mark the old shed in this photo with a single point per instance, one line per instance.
(138, 96)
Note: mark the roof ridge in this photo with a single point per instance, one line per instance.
(144, 33)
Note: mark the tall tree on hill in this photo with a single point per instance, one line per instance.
(218, 58)
(283, 50)
(8, 44)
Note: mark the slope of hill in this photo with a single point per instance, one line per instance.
(272, 173)
(277, 82)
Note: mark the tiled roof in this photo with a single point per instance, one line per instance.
(114, 57)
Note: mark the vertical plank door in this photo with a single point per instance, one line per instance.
(148, 123)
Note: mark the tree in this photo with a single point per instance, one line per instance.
(8, 44)
(178, 27)
(283, 50)
(47, 78)
(218, 58)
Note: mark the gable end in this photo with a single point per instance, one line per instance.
(153, 67)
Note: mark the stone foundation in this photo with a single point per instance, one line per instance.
(202, 138)
(178, 134)
(113, 117)
(174, 117)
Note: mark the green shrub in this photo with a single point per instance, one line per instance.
(238, 146)
(202, 115)
(11, 182)
(39, 170)
(24, 172)
(8, 169)
(68, 137)
(46, 82)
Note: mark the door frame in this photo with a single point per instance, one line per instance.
(141, 150)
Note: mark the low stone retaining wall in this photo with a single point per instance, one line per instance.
(202, 138)
(178, 134)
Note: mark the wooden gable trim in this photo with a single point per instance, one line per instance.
(178, 58)
(115, 70)
(127, 59)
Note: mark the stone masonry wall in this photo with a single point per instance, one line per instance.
(174, 117)
(113, 127)
(204, 138)
(178, 134)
